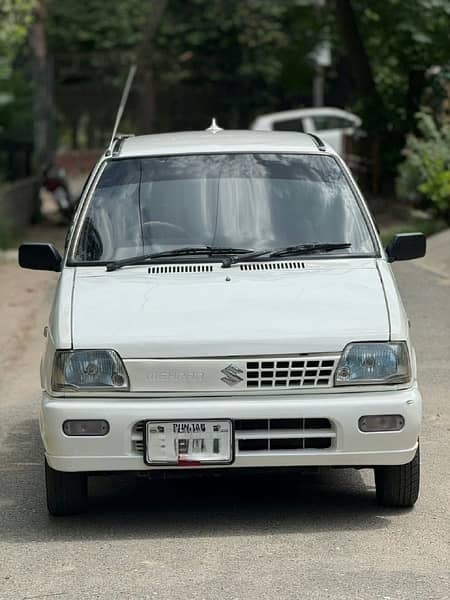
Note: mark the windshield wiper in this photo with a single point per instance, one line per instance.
(307, 248)
(310, 248)
(185, 251)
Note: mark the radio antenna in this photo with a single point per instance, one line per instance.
(123, 102)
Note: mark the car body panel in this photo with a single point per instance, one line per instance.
(204, 142)
(229, 312)
(61, 313)
(117, 451)
(399, 324)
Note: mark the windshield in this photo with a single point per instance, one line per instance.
(251, 201)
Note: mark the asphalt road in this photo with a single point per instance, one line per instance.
(319, 536)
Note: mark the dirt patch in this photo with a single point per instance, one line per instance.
(22, 294)
(25, 299)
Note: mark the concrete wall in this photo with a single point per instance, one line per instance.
(18, 203)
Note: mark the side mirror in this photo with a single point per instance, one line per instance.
(44, 257)
(406, 246)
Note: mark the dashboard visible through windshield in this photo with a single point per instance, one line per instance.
(254, 201)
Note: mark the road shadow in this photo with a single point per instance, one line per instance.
(127, 507)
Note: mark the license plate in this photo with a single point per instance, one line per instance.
(188, 443)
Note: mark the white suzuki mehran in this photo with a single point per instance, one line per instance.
(224, 301)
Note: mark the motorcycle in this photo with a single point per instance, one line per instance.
(55, 182)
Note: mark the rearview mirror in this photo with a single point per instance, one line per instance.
(44, 257)
(406, 246)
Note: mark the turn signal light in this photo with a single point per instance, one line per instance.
(88, 427)
(381, 423)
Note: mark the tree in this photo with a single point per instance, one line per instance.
(15, 19)
(350, 31)
(245, 57)
(146, 63)
(15, 94)
(397, 42)
(197, 58)
(43, 105)
(92, 50)
(390, 45)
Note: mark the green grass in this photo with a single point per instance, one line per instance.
(8, 237)
(427, 226)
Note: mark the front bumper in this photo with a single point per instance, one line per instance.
(117, 451)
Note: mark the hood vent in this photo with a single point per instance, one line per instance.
(272, 266)
(168, 269)
(257, 266)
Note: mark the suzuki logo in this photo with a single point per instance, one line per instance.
(232, 375)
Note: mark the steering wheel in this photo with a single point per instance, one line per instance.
(164, 231)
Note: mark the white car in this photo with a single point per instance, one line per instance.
(225, 301)
(331, 124)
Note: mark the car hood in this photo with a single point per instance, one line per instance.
(316, 306)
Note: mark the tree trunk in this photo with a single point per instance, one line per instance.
(146, 75)
(416, 86)
(147, 102)
(372, 102)
(74, 132)
(348, 25)
(43, 107)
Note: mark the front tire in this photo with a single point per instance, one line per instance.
(67, 493)
(398, 485)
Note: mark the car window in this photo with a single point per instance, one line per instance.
(252, 201)
(288, 125)
(324, 122)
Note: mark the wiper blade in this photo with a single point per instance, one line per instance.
(310, 248)
(287, 251)
(185, 251)
(232, 260)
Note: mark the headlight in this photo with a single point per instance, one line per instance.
(373, 363)
(87, 370)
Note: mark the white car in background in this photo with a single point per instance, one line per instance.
(225, 301)
(331, 124)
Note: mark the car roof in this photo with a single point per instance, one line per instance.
(210, 142)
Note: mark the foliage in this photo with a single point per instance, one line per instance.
(238, 58)
(428, 226)
(7, 237)
(15, 98)
(85, 40)
(230, 59)
(403, 39)
(437, 185)
(245, 52)
(405, 43)
(15, 116)
(15, 19)
(425, 172)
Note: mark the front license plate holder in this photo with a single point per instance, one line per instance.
(189, 442)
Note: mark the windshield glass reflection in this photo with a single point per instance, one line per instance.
(252, 201)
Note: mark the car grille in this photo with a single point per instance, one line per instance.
(280, 435)
(137, 437)
(268, 435)
(288, 373)
(282, 374)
